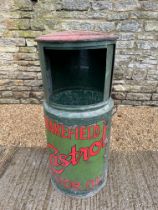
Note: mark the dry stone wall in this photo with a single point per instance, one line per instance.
(134, 21)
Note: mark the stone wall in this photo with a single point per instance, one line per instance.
(134, 21)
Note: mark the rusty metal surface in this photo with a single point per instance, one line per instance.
(25, 182)
(75, 36)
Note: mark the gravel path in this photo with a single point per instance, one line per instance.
(133, 128)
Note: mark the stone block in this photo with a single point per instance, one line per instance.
(24, 14)
(149, 5)
(88, 26)
(117, 102)
(126, 36)
(151, 26)
(9, 49)
(129, 25)
(150, 60)
(105, 26)
(39, 75)
(94, 14)
(75, 25)
(21, 94)
(152, 76)
(141, 66)
(133, 103)
(28, 63)
(38, 24)
(15, 24)
(9, 101)
(128, 73)
(37, 94)
(118, 75)
(31, 42)
(117, 16)
(146, 36)
(20, 88)
(122, 58)
(7, 94)
(27, 49)
(118, 96)
(127, 88)
(147, 45)
(148, 89)
(37, 88)
(26, 56)
(5, 5)
(155, 96)
(119, 88)
(125, 44)
(33, 83)
(139, 74)
(29, 68)
(138, 96)
(3, 75)
(102, 5)
(150, 103)
(141, 83)
(71, 5)
(26, 75)
(147, 15)
(4, 82)
(26, 33)
(119, 82)
(5, 88)
(8, 42)
(23, 5)
(30, 101)
(6, 56)
(126, 5)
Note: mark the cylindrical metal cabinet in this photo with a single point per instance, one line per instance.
(77, 69)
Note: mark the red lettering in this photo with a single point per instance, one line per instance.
(51, 126)
(59, 162)
(63, 132)
(94, 145)
(76, 133)
(82, 133)
(67, 183)
(63, 161)
(85, 152)
(89, 132)
(56, 129)
(53, 159)
(70, 133)
(75, 185)
(90, 183)
(73, 154)
(103, 139)
(53, 148)
(96, 131)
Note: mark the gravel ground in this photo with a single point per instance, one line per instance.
(133, 128)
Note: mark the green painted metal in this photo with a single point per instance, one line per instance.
(109, 70)
(78, 118)
(89, 173)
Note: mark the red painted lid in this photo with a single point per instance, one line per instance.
(76, 36)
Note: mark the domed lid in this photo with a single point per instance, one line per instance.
(76, 36)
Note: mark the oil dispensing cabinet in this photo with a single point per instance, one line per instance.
(77, 69)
